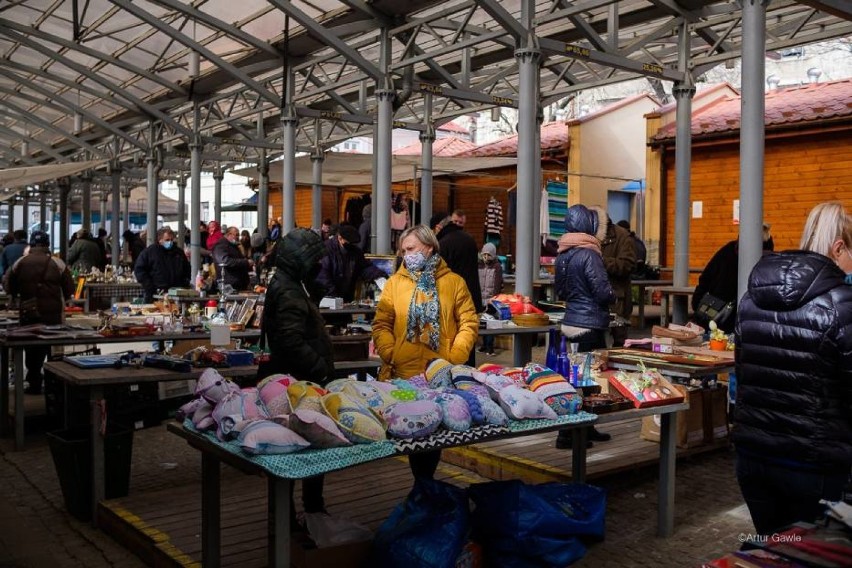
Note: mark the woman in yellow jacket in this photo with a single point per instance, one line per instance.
(426, 312)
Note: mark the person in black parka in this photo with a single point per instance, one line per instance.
(229, 258)
(344, 265)
(162, 265)
(459, 251)
(793, 427)
(295, 331)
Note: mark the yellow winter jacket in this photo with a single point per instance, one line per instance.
(459, 324)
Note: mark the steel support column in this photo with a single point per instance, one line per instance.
(86, 203)
(384, 128)
(427, 137)
(42, 209)
(126, 218)
(64, 192)
(218, 176)
(153, 198)
(529, 154)
(103, 210)
(115, 223)
(683, 93)
(317, 159)
(752, 135)
(195, 200)
(181, 227)
(26, 210)
(263, 195)
(289, 121)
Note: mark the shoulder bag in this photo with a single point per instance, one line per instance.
(29, 308)
(712, 308)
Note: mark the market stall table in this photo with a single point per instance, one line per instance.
(641, 285)
(48, 337)
(99, 295)
(280, 473)
(522, 340)
(668, 292)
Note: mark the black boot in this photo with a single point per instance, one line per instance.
(598, 436)
(565, 441)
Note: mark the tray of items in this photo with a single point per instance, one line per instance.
(602, 403)
(645, 388)
(633, 356)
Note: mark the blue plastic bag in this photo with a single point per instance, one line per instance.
(427, 530)
(536, 525)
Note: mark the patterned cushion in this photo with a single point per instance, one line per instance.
(317, 428)
(375, 399)
(491, 369)
(406, 395)
(495, 383)
(266, 437)
(213, 386)
(236, 407)
(202, 418)
(273, 394)
(418, 381)
(494, 415)
(456, 412)
(520, 403)
(473, 405)
(438, 373)
(307, 393)
(413, 419)
(358, 423)
(553, 389)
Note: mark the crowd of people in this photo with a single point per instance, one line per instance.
(793, 328)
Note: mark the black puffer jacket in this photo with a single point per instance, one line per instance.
(235, 263)
(581, 278)
(294, 328)
(459, 251)
(794, 362)
(161, 269)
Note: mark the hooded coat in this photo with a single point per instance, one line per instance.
(342, 267)
(85, 254)
(581, 278)
(619, 257)
(459, 324)
(461, 254)
(794, 362)
(295, 330)
(237, 267)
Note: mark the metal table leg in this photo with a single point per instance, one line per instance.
(210, 511)
(4, 391)
(578, 454)
(96, 406)
(278, 523)
(18, 355)
(641, 306)
(666, 483)
(664, 313)
(522, 349)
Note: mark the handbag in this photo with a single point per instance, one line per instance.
(712, 308)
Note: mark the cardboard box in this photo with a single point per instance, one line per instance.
(662, 345)
(705, 422)
(689, 424)
(303, 554)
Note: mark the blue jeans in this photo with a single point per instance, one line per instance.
(778, 496)
(488, 343)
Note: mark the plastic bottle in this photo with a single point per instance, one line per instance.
(199, 281)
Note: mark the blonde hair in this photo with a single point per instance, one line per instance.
(423, 234)
(826, 223)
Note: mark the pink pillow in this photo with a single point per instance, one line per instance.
(273, 394)
(317, 428)
(266, 437)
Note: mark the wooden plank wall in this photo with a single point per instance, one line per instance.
(800, 172)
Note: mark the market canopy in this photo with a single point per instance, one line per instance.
(19, 178)
(348, 170)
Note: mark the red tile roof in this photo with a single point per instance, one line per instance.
(553, 135)
(814, 102)
(443, 147)
(453, 127)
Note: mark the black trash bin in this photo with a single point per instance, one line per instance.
(72, 449)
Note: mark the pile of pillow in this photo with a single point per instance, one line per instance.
(283, 415)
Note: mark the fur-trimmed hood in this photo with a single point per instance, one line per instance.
(603, 221)
(589, 220)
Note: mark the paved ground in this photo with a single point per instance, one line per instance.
(36, 531)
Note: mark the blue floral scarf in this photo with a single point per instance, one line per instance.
(424, 322)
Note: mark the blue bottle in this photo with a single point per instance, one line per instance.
(551, 359)
(563, 364)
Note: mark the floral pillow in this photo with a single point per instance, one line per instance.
(235, 407)
(305, 394)
(266, 437)
(456, 414)
(405, 395)
(439, 373)
(358, 423)
(415, 419)
(375, 399)
(317, 428)
(520, 404)
(273, 394)
(495, 383)
(494, 415)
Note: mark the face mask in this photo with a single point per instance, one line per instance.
(414, 262)
(168, 244)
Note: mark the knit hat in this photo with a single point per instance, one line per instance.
(39, 239)
(489, 249)
(350, 234)
(439, 373)
(553, 389)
